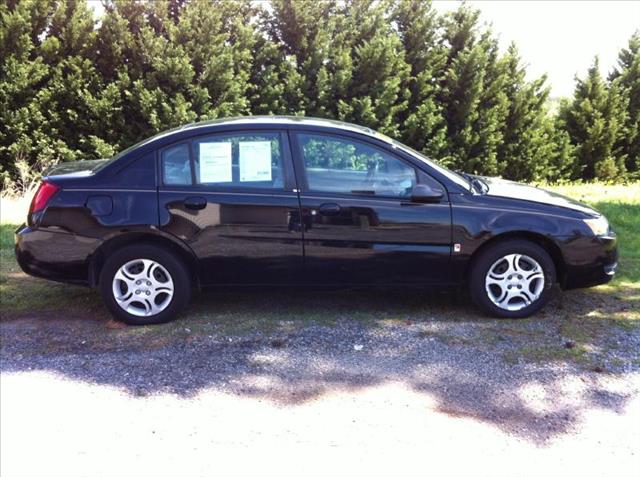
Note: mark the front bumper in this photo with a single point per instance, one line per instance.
(54, 255)
(590, 261)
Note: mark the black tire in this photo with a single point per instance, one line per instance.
(482, 264)
(173, 265)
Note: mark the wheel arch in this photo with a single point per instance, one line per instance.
(543, 241)
(185, 254)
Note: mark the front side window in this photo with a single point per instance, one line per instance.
(344, 166)
(239, 160)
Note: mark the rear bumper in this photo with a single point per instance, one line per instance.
(590, 261)
(57, 256)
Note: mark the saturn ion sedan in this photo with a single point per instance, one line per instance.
(284, 201)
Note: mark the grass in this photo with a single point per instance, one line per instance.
(592, 320)
(6, 236)
(545, 353)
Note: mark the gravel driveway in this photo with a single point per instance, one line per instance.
(386, 386)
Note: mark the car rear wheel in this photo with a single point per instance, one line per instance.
(512, 279)
(144, 284)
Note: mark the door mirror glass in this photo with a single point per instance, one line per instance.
(424, 193)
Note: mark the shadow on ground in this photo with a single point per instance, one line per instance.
(533, 378)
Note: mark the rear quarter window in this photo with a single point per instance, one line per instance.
(139, 174)
(176, 165)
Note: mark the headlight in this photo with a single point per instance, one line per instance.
(599, 226)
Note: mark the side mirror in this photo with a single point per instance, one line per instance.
(422, 193)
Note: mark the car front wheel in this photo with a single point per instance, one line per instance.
(144, 284)
(512, 279)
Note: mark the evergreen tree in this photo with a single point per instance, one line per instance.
(304, 30)
(527, 145)
(126, 48)
(561, 163)
(460, 30)
(160, 92)
(217, 42)
(276, 85)
(423, 124)
(375, 95)
(494, 106)
(473, 95)
(22, 74)
(177, 62)
(461, 95)
(594, 120)
(627, 77)
(74, 100)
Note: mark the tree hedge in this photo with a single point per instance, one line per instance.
(75, 86)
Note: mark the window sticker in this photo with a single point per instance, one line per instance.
(255, 161)
(215, 162)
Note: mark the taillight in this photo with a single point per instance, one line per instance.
(45, 191)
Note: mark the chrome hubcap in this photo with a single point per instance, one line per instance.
(514, 282)
(142, 287)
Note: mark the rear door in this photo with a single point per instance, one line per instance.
(360, 225)
(230, 197)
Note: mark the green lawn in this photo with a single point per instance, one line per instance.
(6, 236)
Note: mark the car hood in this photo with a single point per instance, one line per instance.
(514, 190)
(75, 168)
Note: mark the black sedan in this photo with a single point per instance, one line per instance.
(284, 201)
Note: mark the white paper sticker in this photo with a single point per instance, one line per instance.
(255, 161)
(215, 162)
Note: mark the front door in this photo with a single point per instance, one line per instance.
(231, 198)
(359, 223)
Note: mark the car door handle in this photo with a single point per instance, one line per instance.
(195, 203)
(329, 209)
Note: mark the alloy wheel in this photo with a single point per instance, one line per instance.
(514, 282)
(142, 287)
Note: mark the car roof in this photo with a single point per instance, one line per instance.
(282, 121)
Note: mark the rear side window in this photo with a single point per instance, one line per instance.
(176, 165)
(251, 160)
(345, 166)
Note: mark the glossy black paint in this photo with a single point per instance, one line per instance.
(360, 240)
(238, 238)
(580, 257)
(293, 236)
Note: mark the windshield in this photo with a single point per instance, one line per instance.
(453, 176)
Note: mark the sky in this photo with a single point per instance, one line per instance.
(556, 37)
(560, 38)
